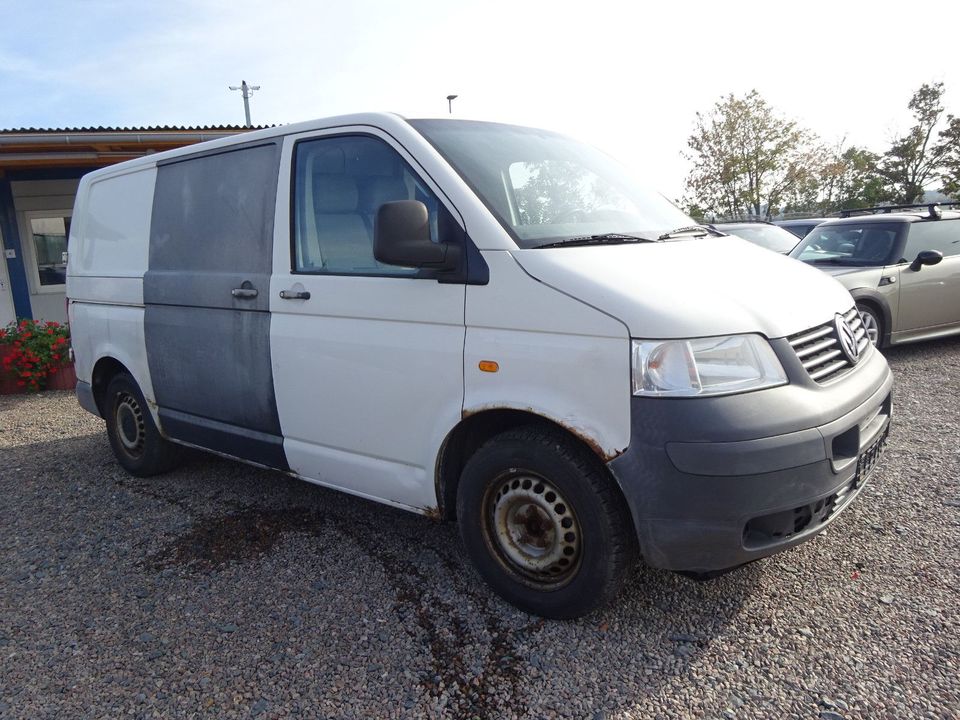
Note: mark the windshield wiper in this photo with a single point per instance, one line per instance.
(604, 239)
(696, 230)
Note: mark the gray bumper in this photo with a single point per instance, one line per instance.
(86, 398)
(713, 483)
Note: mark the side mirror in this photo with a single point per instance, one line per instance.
(926, 257)
(401, 236)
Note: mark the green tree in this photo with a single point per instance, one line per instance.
(912, 160)
(849, 178)
(949, 148)
(748, 160)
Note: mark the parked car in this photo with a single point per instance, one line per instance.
(763, 234)
(800, 226)
(901, 264)
(475, 321)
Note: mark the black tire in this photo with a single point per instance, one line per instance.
(136, 442)
(534, 490)
(872, 323)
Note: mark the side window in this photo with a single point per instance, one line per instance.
(942, 235)
(339, 184)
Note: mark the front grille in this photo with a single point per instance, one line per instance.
(818, 349)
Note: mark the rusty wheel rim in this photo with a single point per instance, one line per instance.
(533, 529)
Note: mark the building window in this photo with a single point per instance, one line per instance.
(50, 233)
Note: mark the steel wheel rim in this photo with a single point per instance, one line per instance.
(130, 427)
(870, 326)
(533, 529)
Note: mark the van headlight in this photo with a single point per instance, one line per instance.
(704, 366)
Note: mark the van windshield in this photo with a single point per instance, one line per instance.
(545, 188)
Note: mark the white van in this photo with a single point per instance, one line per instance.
(475, 321)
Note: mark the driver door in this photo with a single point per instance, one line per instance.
(367, 357)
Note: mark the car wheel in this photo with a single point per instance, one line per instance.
(872, 324)
(544, 524)
(135, 439)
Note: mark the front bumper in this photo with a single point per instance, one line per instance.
(713, 483)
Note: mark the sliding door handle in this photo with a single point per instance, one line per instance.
(243, 293)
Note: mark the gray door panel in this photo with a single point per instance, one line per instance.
(206, 292)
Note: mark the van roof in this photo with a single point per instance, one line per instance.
(382, 120)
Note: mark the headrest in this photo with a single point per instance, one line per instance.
(875, 244)
(335, 194)
(381, 190)
(331, 161)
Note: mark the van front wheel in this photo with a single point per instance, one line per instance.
(544, 524)
(135, 439)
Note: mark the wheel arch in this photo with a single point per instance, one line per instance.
(870, 297)
(104, 370)
(473, 430)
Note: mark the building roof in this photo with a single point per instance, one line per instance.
(116, 129)
(91, 147)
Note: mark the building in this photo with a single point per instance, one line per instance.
(39, 173)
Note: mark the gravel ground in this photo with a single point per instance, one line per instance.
(226, 591)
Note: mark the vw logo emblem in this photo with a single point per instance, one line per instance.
(848, 341)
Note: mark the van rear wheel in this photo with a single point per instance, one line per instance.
(544, 524)
(134, 437)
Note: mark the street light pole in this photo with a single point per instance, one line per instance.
(246, 91)
(450, 99)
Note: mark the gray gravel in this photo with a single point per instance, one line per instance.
(227, 591)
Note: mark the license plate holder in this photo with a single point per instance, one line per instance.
(867, 460)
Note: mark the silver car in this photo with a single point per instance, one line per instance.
(902, 268)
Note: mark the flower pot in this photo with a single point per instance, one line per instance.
(64, 378)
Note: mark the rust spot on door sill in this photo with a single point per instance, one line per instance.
(433, 513)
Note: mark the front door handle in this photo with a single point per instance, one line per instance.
(295, 294)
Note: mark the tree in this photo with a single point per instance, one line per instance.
(849, 178)
(747, 160)
(949, 149)
(912, 162)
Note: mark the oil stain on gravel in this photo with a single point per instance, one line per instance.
(249, 533)
(213, 542)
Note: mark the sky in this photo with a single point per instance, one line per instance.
(628, 77)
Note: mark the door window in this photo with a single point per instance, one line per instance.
(339, 184)
(942, 235)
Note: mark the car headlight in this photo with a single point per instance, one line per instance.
(705, 366)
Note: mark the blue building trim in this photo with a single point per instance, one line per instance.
(11, 241)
